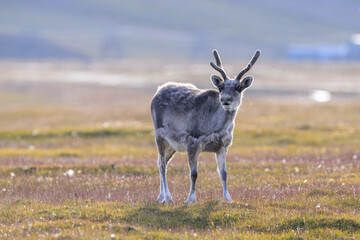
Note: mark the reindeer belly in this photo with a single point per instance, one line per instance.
(180, 141)
(176, 145)
(175, 138)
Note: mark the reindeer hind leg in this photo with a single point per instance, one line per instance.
(165, 154)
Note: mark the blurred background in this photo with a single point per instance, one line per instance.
(114, 54)
(180, 30)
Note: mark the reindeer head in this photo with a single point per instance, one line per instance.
(231, 89)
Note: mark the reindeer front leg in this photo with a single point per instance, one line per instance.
(221, 161)
(193, 154)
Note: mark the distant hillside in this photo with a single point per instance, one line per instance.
(32, 47)
(177, 29)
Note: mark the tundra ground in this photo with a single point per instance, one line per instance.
(79, 162)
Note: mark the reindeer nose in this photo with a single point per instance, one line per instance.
(225, 99)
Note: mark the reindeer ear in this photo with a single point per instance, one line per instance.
(216, 80)
(246, 82)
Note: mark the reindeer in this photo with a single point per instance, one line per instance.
(192, 120)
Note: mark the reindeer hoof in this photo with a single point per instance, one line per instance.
(227, 198)
(191, 199)
(160, 198)
(164, 199)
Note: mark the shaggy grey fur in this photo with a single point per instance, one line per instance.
(188, 119)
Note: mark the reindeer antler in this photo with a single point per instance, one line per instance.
(250, 64)
(218, 67)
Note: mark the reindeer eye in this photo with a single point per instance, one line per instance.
(221, 88)
(238, 88)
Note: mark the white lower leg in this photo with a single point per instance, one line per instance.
(226, 194)
(167, 196)
(192, 197)
(161, 195)
(221, 160)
